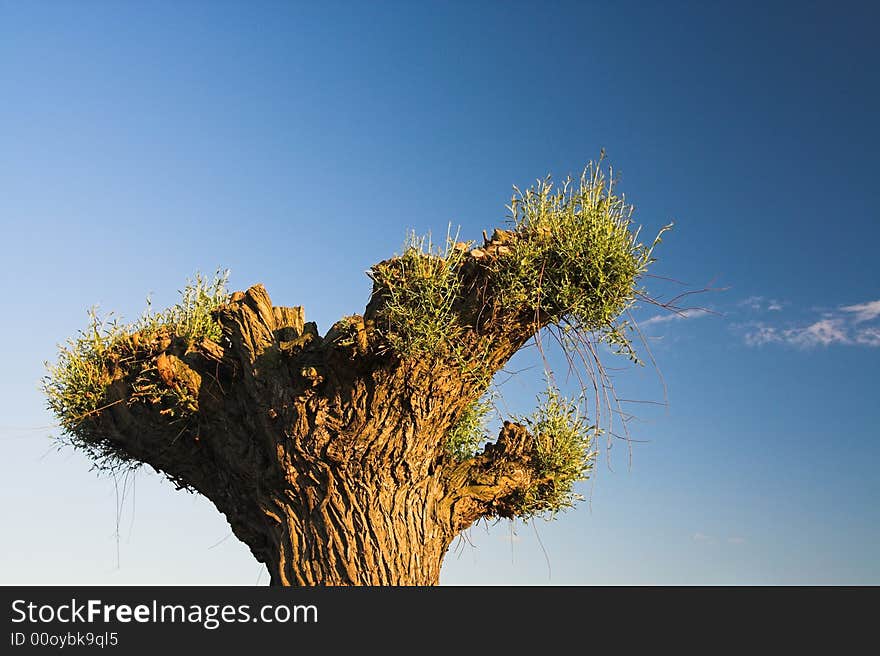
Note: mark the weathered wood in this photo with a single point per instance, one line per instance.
(289, 322)
(325, 455)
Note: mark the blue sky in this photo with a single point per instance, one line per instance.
(296, 143)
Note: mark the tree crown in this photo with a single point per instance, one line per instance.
(569, 264)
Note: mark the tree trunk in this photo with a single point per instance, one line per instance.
(326, 455)
(354, 534)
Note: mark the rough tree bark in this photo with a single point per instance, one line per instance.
(326, 454)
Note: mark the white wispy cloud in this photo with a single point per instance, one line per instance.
(761, 304)
(863, 311)
(841, 326)
(868, 337)
(760, 334)
(702, 537)
(820, 333)
(672, 316)
(736, 539)
(752, 302)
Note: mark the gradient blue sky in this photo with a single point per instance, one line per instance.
(296, 143)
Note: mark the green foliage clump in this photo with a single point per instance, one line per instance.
(420, 287)
(76, 384)
(563, 454)
(467, 434)
(576, 260)
(193, 316)
(572, 261)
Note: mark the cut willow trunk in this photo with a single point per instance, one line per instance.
(328, 454)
